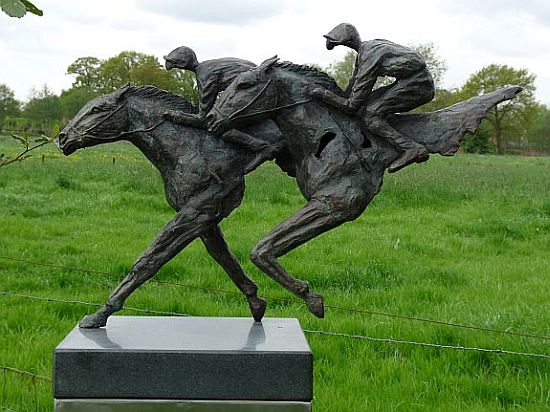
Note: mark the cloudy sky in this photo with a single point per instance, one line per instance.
(468, 34)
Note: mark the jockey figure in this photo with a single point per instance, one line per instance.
(412, 88)
(213, 76)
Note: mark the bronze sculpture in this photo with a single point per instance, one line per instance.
(338, 162)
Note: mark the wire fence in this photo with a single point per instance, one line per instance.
(507, 331)
(308, 331)
(427, 344)
(496, 351)
(31, 395)
(24, 373)
(79, 302)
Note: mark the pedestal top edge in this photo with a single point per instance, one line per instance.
(189, 334)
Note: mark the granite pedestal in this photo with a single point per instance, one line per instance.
(185, 363)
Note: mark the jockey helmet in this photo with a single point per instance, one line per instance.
(181, 58)
(344, 34)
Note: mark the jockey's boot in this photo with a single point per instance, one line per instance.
(263, 150)
(412, 155)
(411, 151)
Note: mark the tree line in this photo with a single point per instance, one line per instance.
(518, 126)
(46, 111)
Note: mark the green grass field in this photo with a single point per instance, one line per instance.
(463, 240)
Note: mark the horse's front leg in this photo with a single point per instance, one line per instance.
(188, 224)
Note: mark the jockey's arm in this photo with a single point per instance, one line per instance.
(186, 119)
(208, 92)
(349, 105)
(361, 84)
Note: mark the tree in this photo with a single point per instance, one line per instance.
(151, 72)
(94, 76)
(342, 70)
(45, 109)
(480, 142)
(28, 145)
(511, 118)
(18, 8)
(88, 73)
(538, 134)
(9, 106)
(74, 99)
(135, 68)
(184, 83)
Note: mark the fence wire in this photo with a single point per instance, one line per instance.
(309, 331)
(24, 373)
(293, 301)
(426, 344)
(79, 302)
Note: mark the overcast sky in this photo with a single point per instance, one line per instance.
(468, 34)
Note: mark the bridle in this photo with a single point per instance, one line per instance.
(85, 133)
(236, 114)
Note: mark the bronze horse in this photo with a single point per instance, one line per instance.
(339, 166)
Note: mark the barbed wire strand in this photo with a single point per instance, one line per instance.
(310, 331)
(426, 344)
(444, 323)
(79, 302)
(284, 300)
(25, 373)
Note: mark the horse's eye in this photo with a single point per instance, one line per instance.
(245, 84)
(96, 110)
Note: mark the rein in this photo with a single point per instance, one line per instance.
(235, 115)
(84, 133)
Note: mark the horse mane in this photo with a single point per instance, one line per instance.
(163, 96)
(315, 75)
(312, 73)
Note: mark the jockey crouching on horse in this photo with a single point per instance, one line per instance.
(412, 88)
(213, 76)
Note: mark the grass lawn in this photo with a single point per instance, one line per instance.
(463, 240)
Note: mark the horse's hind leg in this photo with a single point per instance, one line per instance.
(188, 224)
(218, 249)
(316, 217)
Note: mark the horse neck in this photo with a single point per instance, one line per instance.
(163, 142)
(292, 88)
(144, 122)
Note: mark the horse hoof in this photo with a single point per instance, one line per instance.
(93, 321)
(257, 307)
(315, 304)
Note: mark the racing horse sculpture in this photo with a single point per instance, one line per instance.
(339, 166)
(203, 179)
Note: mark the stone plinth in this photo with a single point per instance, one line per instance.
(155, 360)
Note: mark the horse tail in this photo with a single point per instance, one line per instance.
(442, 131)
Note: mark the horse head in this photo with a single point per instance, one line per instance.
(103, 119)
(252, 96)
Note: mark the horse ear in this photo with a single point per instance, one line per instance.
(268, 64)
(119, 93)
